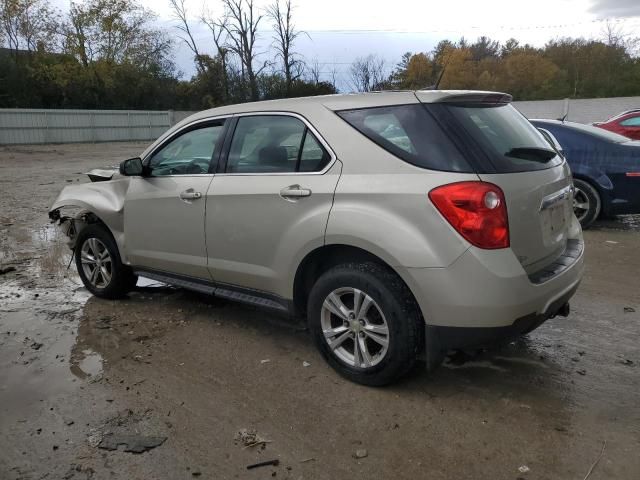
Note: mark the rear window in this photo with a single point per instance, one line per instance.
(508, 139)
(409, 132)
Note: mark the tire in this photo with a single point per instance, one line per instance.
(389, 303)
(586, 202)
(117, 279)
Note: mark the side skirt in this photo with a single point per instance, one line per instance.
(247, 296)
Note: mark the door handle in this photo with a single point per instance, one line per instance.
(294, 191)
(189, 194)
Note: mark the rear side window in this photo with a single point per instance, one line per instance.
(509, 141)
(411, 133)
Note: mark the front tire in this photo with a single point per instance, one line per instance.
(365, 322)
(586, 202)
(99, 265)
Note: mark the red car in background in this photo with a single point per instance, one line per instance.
(625, 123)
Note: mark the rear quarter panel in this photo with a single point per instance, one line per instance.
(381, 203)
(390, 215)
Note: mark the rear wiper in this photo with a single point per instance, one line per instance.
(535, 154)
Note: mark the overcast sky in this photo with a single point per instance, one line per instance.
(341, 30)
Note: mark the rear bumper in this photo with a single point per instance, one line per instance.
(487, 289)
(440, 339)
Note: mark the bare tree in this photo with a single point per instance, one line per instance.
(28, 24)
(113, 31)
(242, 27)
(313, 71)
(367, 73)
(333, 75)
(217, 27)
(615, 35)
(285, 36)
(180, 14)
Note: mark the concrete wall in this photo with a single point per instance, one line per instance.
(32, 126)
(583, 110)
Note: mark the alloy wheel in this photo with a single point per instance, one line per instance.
(96, 262)
(354, 327)
(581, 204)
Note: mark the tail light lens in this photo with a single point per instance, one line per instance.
(477, 211)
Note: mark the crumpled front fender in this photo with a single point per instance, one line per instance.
(104, 200)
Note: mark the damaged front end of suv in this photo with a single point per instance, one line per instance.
(100, 201)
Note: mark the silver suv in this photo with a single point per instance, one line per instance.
(399, 224)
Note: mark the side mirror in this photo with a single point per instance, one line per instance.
(132, 167)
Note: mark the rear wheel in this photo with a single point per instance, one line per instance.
(365, 323)
(586, 202)
(99, 265)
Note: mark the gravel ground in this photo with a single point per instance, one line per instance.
(199, 377)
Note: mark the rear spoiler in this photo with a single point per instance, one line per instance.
(477, 99)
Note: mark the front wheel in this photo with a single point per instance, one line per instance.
(99, 265)
(365, 323)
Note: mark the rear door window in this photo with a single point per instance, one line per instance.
(274, 144)
(313, 157)
(411, 133)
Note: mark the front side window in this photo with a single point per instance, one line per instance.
(274, 144)
(189, 154)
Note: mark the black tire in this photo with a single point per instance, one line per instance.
(586, 195)
(392, 298)
(122, 279)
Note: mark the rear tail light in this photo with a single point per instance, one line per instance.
(633, 174)
(476, 210)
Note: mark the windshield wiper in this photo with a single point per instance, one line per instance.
(535, 154)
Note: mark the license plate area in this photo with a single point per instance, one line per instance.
(555, 215)
(557, 218)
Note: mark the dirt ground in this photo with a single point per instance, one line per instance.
(76, 371)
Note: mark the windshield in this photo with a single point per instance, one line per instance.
(511, 143)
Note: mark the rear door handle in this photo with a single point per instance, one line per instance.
(294, 191)
(190, 194)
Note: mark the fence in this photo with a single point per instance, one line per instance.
(31, 126)
(587, 110)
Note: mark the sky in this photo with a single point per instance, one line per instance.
(338, 31)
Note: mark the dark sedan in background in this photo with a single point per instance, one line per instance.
(605, 167)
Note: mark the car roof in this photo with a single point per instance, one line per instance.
(350, 101)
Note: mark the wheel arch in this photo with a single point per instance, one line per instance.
(98, 201)
(321, 259)
(78, 215)
(602, 185)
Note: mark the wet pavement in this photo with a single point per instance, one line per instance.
(179, 374)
